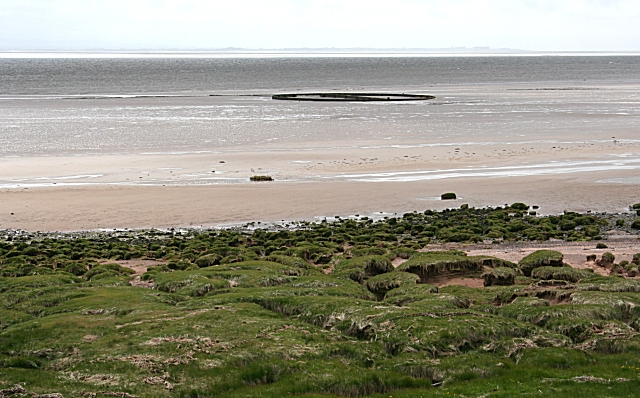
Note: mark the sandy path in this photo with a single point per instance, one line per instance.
(623, 247)
(443, 281)
(575, 253)
(138, 266)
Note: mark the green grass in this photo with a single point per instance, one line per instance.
(317, 310)
(360, 269)
(540, 258)
(383, 283)
(561, 273)
(500, 276)
(430, 264)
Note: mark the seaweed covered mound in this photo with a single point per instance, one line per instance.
(431, 264)
(500, 276)
(561, 273)
(540, 258)
(361, 268)
(383, 283)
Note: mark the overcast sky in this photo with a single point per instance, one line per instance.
(542, 25)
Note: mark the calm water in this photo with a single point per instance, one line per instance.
(129, 76)
(75, 106)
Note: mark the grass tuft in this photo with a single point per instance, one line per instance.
(540, 258)
(561, 273)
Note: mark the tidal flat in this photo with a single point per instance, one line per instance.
(491, 301)
(193, 157)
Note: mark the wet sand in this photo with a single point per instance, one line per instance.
(559, 149)
(80, 208)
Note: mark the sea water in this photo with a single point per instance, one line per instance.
(81, 106)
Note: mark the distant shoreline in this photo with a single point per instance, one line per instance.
(320, 53)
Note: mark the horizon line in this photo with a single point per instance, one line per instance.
(237, 52)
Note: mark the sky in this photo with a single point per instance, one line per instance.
(535, 25)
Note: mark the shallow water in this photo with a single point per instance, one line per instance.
(163, 107)
(550, 168)
(460, 114)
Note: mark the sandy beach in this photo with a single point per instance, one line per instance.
(105, 207)
(558, 146)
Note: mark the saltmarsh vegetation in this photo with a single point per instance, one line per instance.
(540, 258)
(429, 265)
(348, 308)
(500, 276)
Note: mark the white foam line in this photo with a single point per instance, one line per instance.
(621, 180)
(74, 177)
(433, 198)
(507, 171)
(549, 168)
(177, 153)
(98, 96)
(79, 176)
(488, 143)
(221, 179)
(155, 183)
(53, 184)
